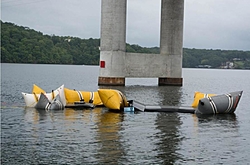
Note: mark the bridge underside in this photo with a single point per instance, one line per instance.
(116, 64)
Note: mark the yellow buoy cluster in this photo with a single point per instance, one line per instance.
(68, 96)
(110, 98)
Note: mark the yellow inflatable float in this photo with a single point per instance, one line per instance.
(73, 96)
(113, 99)
(198, 96)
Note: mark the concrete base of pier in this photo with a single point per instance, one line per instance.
(111, 81)
(168, 81)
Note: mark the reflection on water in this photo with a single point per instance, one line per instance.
(220, 118)
(31, 115)
(108, 138)
(37, 115)
(211, 135)
(106, 125)
(168, 124)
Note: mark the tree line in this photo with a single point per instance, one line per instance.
(24, 45)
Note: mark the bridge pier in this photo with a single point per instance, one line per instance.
(116, 64)
(171, 40)
(113, 42)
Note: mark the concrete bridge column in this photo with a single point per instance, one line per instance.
(113, 42)
(171, 41)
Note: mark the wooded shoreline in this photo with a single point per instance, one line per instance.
(24, 45)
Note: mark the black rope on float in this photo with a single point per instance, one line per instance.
(123, 99)
(35, 97)
(80, 96)
(91, 100)
(53, 95)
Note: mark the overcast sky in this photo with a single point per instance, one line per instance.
(208, 24)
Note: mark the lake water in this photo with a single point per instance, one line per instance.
(98, 136)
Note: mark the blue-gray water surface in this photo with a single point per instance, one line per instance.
(99, 136)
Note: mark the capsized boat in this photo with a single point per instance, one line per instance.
(113, 99)
(225, 103)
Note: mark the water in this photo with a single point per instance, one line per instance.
(98, 136)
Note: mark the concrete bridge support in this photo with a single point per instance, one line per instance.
(113, 42)
(171, 40)
(116, 64)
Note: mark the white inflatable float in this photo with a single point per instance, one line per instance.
(31, 99)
